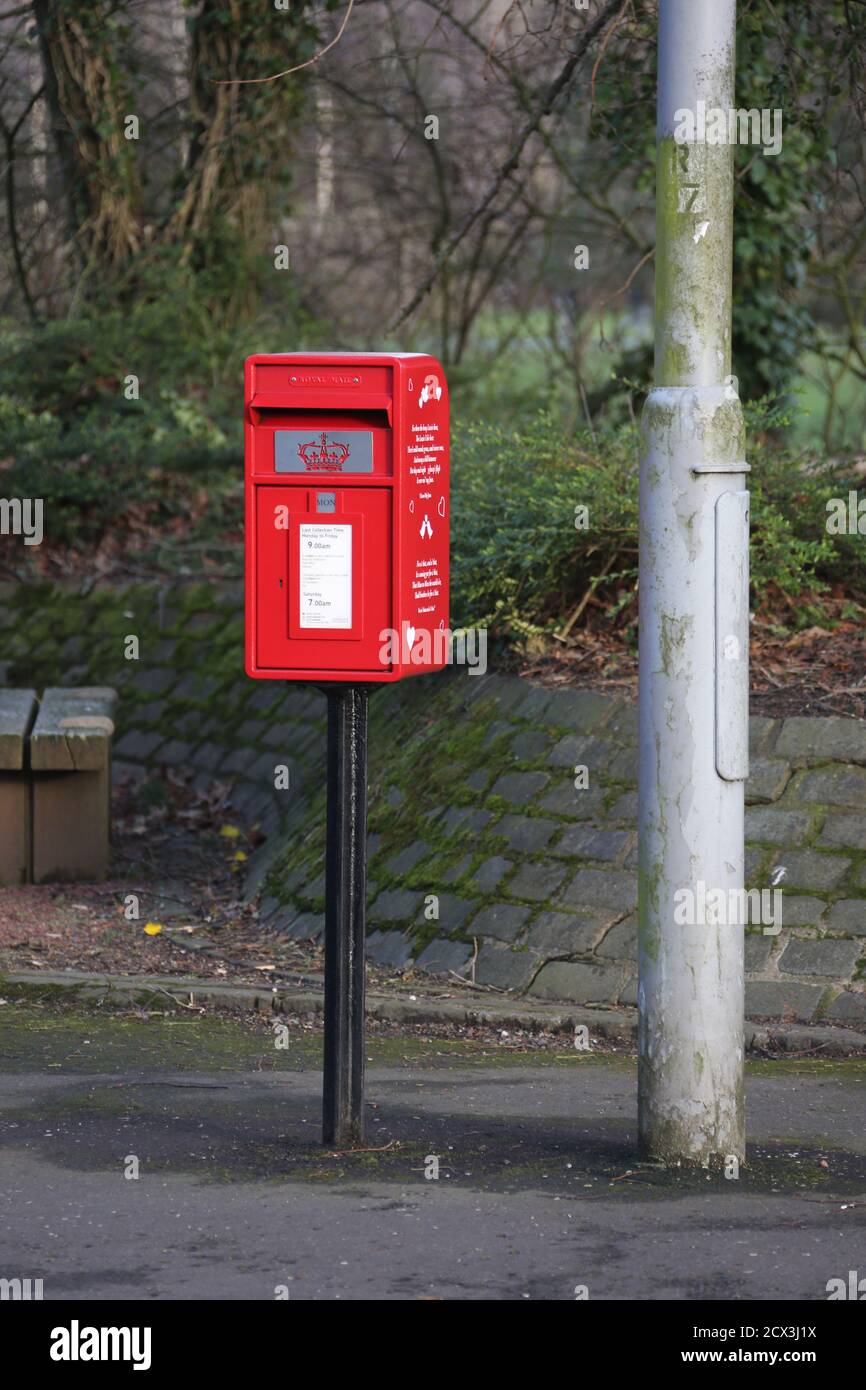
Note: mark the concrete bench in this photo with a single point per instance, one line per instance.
(70, 756)
(17, 712)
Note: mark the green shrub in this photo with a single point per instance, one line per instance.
(102, 462)
(520, 565)
(518, 560)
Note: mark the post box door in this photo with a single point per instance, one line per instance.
(323, 582)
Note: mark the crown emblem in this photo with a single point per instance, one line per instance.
(322, 454)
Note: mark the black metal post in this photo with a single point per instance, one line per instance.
(345, 905)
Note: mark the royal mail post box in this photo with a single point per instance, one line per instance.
(347, 516)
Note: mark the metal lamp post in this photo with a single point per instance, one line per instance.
(693, 624)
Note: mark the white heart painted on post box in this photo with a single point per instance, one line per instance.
(410, 635)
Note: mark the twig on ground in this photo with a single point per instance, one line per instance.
(562, 636)
(383, 1148)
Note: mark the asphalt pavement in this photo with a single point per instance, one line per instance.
(179, 1159)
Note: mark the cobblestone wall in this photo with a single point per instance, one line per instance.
(484, 857)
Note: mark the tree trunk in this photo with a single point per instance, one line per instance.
(86, 106)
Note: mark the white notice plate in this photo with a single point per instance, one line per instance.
(326, 576)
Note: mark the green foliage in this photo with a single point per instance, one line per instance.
(622, 121)
(779, 68)
(519, 563)
(790, 549)
(791, 57)
(69, 434)
(520, 566)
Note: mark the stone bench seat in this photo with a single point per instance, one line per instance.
(64, 768)
(73, 730)
(17, 712)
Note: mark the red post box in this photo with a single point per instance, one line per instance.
(347, 516)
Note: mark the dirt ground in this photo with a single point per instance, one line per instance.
(817, 671)
(181, 854)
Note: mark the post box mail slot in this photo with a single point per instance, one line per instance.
(347, 516)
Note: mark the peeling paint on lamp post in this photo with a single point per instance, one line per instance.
(693, 625)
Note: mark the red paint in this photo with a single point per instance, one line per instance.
(320, 602)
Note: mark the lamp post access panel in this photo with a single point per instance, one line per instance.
(347, 525)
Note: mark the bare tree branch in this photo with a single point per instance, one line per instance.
(255, 81)
(554, 91)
